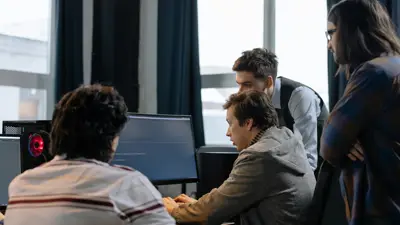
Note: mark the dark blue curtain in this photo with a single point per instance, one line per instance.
(393, 8)
(178, 70)
(115, 50)
(69, 51)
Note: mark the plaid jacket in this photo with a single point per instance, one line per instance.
(368, 112)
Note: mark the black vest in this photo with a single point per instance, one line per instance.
(286, 119)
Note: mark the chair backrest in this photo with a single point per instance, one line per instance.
(214, 165)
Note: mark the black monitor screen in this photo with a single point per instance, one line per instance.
(160, 147)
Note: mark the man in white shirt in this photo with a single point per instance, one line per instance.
(299, 108)
(79, 186)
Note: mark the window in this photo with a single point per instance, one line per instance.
(226, 29)
(301, 45)
(215, 125)
(22, 103)
(25, 34)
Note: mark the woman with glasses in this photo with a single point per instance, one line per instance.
(362, 37)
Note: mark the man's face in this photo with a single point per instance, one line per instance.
(331, 35)
(240, 136)
(246, 81)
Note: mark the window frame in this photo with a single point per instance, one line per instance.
(39, 81)
(225, 80)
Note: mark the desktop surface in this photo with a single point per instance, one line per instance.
(160, 147)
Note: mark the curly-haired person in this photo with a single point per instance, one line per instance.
(79, 186)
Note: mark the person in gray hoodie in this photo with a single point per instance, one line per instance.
(271, 182)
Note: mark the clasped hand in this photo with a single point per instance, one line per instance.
(356, 153)
(170, 204)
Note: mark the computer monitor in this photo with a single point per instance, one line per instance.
(10, 164)
(159, 146)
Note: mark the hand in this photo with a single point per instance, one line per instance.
(356, 153)
(184, 199)
(169, 204)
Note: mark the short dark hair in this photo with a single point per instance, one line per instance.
(86, 121)
(260, 61)
(253, 104)
(364, 30)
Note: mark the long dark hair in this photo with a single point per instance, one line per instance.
(364, 32)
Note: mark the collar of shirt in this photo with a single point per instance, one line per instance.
(276, 96)
(58, 158)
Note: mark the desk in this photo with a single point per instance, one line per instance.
(229, 223)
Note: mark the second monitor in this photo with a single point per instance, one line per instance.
(159, 146)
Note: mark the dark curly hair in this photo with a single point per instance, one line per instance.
(252, 104)
(260, 61)
(86, 121)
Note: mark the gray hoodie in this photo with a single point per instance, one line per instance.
(271, 183)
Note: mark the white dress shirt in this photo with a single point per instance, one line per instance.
(66, 192)
(304, 107)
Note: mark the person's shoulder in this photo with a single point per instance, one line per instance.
(303, 94)
(131, 176)
(20, 184)
(273, 138)
(279, 134)
(137, 180)
(15, 183)
(122, 169)
(378, 75)
(281, 148)
(29, 174)
(136, 194)
(110, 169)
(379, 68)
(384, 62)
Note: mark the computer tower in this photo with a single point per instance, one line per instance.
(214, 165)
(34, 141)
(18, 127)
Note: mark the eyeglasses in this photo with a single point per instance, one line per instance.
(329, 34)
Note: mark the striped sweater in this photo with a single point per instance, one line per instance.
(84, 192)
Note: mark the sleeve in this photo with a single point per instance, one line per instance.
(304, 108)
(137, 201)
(360, 105)
(243, 187)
